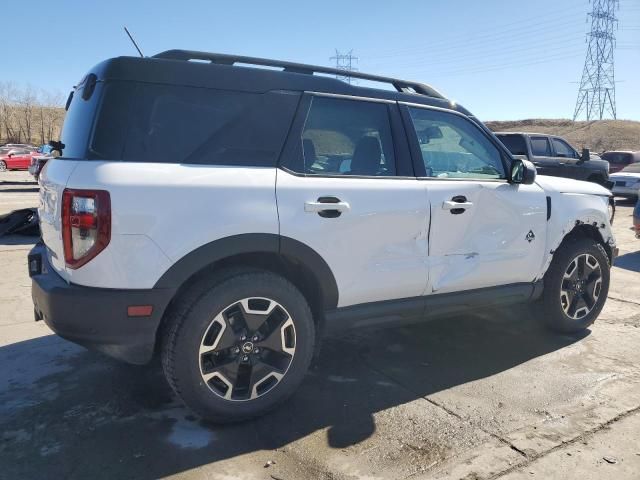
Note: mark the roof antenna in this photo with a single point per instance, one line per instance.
(134, 42)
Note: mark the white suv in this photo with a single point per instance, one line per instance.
(225, 217)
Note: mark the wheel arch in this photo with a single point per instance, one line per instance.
(293, 260)
(589, 230)
(577, 216)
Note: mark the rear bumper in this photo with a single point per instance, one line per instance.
(96, 318)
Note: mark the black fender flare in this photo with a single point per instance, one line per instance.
(222, 248)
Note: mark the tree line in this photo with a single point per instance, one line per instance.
(29, 115)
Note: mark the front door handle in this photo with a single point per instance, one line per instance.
(327, 207)
(457, 205)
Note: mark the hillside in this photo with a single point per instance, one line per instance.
(598, 135)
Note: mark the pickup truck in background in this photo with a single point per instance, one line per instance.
(556, 157)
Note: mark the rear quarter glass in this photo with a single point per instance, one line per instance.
(139, 122)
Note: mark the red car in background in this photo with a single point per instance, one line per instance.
(620, 159)
(16, 159)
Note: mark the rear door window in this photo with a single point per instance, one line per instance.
(540, 147)
(514, 143)
(348, 137)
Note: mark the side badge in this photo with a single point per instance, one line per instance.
(530, 236)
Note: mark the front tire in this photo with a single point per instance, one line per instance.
(576, 285)
(236, 348)
(3, 166)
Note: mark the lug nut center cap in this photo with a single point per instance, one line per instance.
(247, 347)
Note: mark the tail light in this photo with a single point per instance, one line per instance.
(86, 225)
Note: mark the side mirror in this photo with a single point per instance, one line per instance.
(10, 155)
(522, 172)
(586, 155)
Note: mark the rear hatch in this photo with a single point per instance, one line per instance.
(53, 180)
(78, 123)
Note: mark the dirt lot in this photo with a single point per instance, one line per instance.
(482, 396)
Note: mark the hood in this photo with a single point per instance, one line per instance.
(569, 185)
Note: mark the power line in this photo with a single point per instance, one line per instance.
(515, 64)
(597, 93)
(535, 25)
(498, 52)
(345, 62)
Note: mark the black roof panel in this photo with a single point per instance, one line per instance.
(209, 70)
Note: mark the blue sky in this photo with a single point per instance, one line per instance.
(501, 59)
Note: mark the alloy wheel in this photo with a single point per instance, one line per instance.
(581, 286)
(3, 166)
(247, 349)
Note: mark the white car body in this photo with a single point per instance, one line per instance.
(626, 184)
(396, 240)
(228, 217)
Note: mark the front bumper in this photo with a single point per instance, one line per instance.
(96, 318)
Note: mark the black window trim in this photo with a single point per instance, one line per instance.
(416, 154)
(291, 156)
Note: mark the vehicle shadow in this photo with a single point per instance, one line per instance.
(628, 261)
(66, 411)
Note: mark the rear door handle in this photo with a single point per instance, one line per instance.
(327, 207)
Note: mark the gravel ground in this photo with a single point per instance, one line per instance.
(486, 395)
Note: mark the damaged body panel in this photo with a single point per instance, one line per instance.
(508, 233)
(575, 204)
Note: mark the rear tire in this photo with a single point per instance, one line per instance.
(236, 346)
(575, 285)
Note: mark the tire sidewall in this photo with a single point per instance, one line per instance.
(555, 315)
(190, 385)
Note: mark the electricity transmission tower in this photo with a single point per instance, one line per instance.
(345, 61)
(597, 93)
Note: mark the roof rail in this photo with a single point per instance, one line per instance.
(224, 59)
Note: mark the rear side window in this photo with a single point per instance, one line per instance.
(514, 143)
(540, 147)
(138, 122)
(348, 137)
(174, 124)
